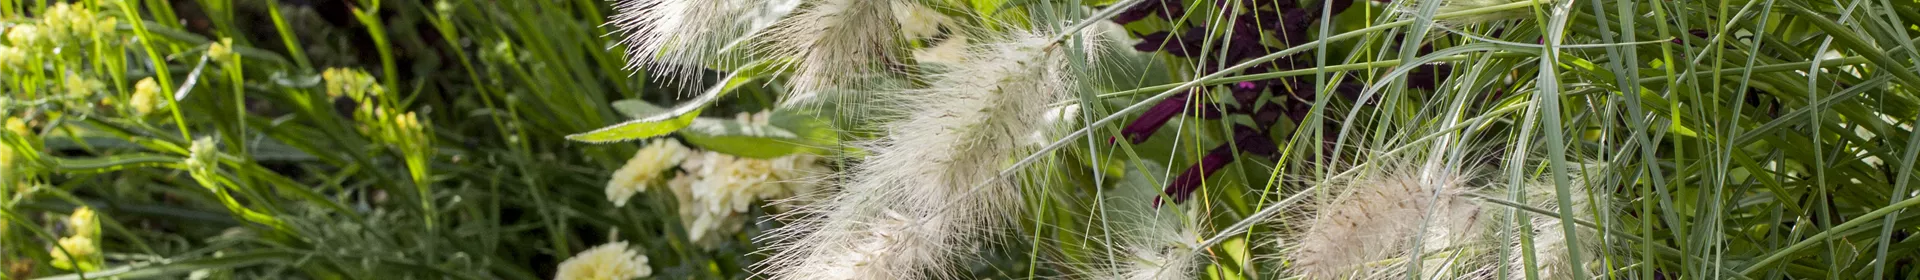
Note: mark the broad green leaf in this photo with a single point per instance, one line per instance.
(741, 139)
(784, 134)
(669, 121)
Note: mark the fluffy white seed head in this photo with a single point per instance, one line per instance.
(835, 45)
(1159, 244)
(1551, 250)
(675, 39)
(1365, 226)
(932, 187)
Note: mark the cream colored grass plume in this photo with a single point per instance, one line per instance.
(1367, 225)
(932, 187)
(1550, 249)
(1142, 242)
(676, 39)
(835, 45)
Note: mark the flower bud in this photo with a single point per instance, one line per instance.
(146, 97)
(223, 51)
(351, 83)
(202, 157)
(18, 127)
(80, 87)
(444, 7)
(84, 222)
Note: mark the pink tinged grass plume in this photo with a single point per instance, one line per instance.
(932, 187)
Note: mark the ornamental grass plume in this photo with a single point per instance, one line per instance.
(932, 187)
(1162, 253)
(1366, 226)
(611, 261)
(1550, 249)
(834, 45)
(1151, 243)
(675, 39)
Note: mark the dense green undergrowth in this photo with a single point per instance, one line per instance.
(371, 139)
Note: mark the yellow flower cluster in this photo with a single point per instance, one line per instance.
(75, 22)
(402, 130)
(63, 24)
(351, 83)
(378, 118)
(80, 250)
(81, 87)
(147, 97)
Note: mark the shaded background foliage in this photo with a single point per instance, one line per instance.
(1756, 139)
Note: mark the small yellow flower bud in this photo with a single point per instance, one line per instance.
(106, 26)
(146, 97)
(18, 127)
(78, 86)
(59, 19)
(350, 83)
(222, 51)
(7, 163)
(201, 157)
(84, 222)
(443, 7)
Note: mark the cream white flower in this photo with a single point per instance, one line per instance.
(720, 187)
(611, 261)
(644, 168)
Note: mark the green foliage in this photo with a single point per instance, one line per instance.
(475, 139)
